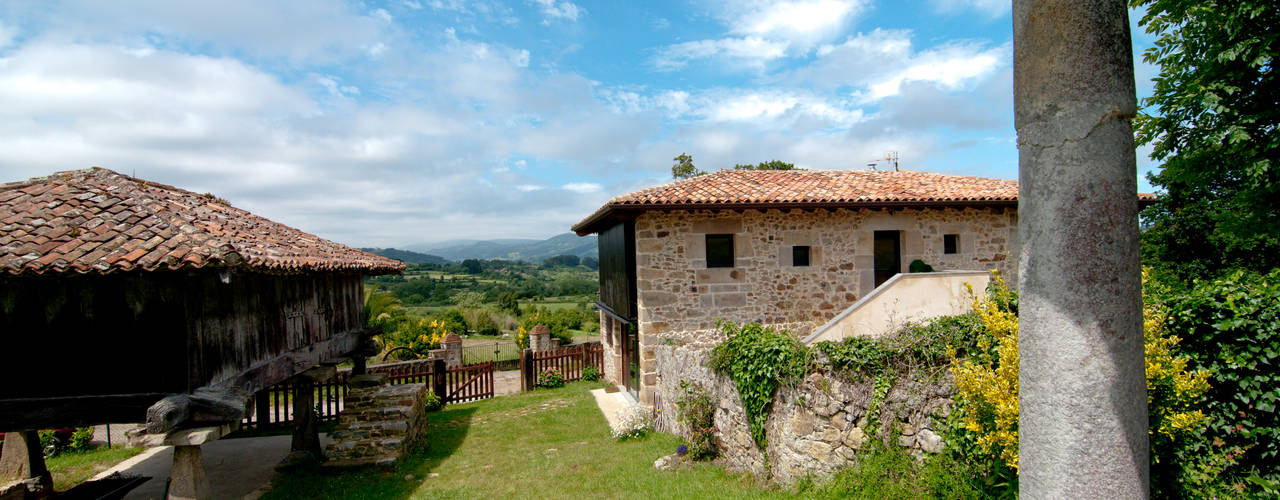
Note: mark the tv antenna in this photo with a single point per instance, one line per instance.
(890, 157)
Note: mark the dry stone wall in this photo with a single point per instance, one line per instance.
(379, 423)
(814, 429)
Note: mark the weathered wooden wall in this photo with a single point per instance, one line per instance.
(166, 332)
(618, 269)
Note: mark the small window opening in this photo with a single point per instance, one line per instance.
(950, 243)
(719, 250)
(800, 256)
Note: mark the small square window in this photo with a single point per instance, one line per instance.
(719, 250)
(800, 256)
(950, 243)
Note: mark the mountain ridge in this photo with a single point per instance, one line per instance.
(528, 250)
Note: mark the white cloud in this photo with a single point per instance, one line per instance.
(582, 187)
(563, 9)
(803, 21)
(949, 67)
(300, 30)
(412, 4)
(749, 51)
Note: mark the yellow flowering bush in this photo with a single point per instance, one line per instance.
(426, 335)
(987, 382)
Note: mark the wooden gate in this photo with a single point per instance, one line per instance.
(469, 383)
(569, 361)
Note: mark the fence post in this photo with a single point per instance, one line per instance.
(262, 406)
(526, 370)
(438, 372)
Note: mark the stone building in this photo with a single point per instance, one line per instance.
(785, 248)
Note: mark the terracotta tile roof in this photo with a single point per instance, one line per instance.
(811, 188)
(98, 221)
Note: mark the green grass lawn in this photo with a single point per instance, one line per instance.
(541, 444)
(72, 468)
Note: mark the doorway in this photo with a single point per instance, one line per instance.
(631, 359)
(888, 255)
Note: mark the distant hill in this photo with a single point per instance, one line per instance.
(527, 250)
(407, 256)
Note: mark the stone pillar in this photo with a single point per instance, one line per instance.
(1083, 422)
(187, 480)
(540, 338)
(452, 345)
(23, 460)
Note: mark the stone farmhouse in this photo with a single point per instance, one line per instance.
(786, 248)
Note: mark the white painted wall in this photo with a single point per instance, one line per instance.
(905, 297)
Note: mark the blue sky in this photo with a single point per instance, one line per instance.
(412, 121)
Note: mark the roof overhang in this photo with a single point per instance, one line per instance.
(613, 213)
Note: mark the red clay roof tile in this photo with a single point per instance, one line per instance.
(98, 221)
(812, 188)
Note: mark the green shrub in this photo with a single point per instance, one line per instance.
(591, 374)
(550, 378)
(697, 414)
(432, 402)
(1231, 327)
(888, 471)
(80, 439)
(918, 266)
(758, 359)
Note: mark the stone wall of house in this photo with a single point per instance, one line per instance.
(814, 429)
(379, 423)
(680, 298)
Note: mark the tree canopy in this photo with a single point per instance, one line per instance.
(766, 165)
(1212, 123)
(683, 167)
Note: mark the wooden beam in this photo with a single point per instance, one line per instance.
(204, 406)
(74, 411)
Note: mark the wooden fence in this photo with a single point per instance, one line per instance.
(569, 361)
(274, 405)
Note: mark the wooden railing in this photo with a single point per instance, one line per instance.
(570, 361)
(274, 405)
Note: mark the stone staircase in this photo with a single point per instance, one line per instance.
(379, 423)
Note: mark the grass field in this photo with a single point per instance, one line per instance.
(541, 444)
(72, 468)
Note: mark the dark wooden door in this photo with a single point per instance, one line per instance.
(888, 255)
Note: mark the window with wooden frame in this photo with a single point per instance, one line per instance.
(719, 250)
(950, 243)
(800, 256)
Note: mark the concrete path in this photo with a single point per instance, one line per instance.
(610, 403)
(506, 382)
(236, 468)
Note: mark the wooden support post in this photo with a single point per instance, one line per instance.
(262, 407)
(22, 459)
(306, 435)
(527, 377)
(438, 372)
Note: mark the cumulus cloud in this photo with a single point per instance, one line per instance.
(748, 51)
(322, 30)
(561, 10)
(763, 31)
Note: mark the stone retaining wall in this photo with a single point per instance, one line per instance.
(379, 423)
(814, 429)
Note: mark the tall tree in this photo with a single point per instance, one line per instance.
(1216, 108)
(683, 167)
(766, 165)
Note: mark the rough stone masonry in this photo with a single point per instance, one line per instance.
(816, 428)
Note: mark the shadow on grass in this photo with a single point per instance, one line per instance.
(446, 430)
